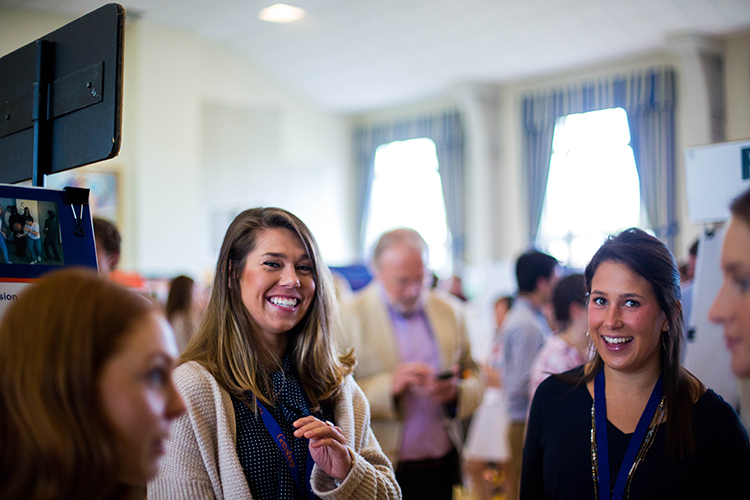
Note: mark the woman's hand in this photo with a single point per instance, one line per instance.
(327, 446)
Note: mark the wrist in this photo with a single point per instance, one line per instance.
(341, 479)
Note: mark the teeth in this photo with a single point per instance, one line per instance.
(617, 340)
(283, 302)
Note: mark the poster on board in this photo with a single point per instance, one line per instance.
(40, 233)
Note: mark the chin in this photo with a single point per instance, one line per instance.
(741, 366)
(141, 473)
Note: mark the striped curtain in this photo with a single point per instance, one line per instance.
(446, 131)
(649, 98)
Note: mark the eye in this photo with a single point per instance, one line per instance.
(305, 268)
(599, 301)
(157, 376)
(742, 285)
(632, 303)
(272, 264)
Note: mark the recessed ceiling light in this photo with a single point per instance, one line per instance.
(281, 13)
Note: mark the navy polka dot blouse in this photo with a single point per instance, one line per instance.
(265, 468)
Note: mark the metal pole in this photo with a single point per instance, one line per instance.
(42, 130)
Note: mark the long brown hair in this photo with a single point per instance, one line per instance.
(54, 340)
(180, 298)
(229, 344)
(650, 259)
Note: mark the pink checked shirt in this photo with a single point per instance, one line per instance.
(556, 356)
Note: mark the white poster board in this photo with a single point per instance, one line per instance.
(9, 291)
(715, 175)
(707, 356)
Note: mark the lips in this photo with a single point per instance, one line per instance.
(158, 447)
(731, 342)
(285, 302)
(616, 343)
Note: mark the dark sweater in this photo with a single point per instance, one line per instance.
(557, 451)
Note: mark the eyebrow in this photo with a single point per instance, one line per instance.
(280, 255)
(624, 295)
(734, 267)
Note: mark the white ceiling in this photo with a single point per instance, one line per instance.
(359, 55)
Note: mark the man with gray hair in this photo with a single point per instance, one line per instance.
(414, 364)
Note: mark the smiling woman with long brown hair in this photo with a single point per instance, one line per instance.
(273, 411)
(633, 423)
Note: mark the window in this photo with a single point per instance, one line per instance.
(407, 192)
(593, 186)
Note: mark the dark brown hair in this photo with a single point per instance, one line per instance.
(229, 343)
(54, 341)
(569, 290)
(650, 259)
(180, 297)
(107, 235)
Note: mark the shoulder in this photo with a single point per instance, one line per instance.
(444, 298)
(362, 300)
(560, 385)
(444, 305)
(196, 384)
(351, 406)
(553, 344)
(351, 391)
(713, 410)
(520, 315)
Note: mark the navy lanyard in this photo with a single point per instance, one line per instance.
(602, 445)
(286, 451)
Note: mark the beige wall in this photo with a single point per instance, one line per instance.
(737, 75)
(172, 80)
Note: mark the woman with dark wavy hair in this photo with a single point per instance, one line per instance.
(273, 412)
(633, 423)
(86, 395)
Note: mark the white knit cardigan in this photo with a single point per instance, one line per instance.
(201, 458)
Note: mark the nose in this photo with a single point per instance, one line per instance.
(289, 278)
(718, 312)
(612, 320)
(413, 289)
(175, 404)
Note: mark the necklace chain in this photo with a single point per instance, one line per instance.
(648, 440)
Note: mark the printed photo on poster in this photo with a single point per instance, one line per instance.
(104, 186)
(30, 232)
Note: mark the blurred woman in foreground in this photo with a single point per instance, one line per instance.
(87, 397)
(732, 306)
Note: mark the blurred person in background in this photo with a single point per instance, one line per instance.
(524, 332)
(568, 347)
(184, 307)
(486, 451)
(414, 365)
(108, 242)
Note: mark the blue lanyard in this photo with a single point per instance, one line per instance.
(286, 451)
(602, 445)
